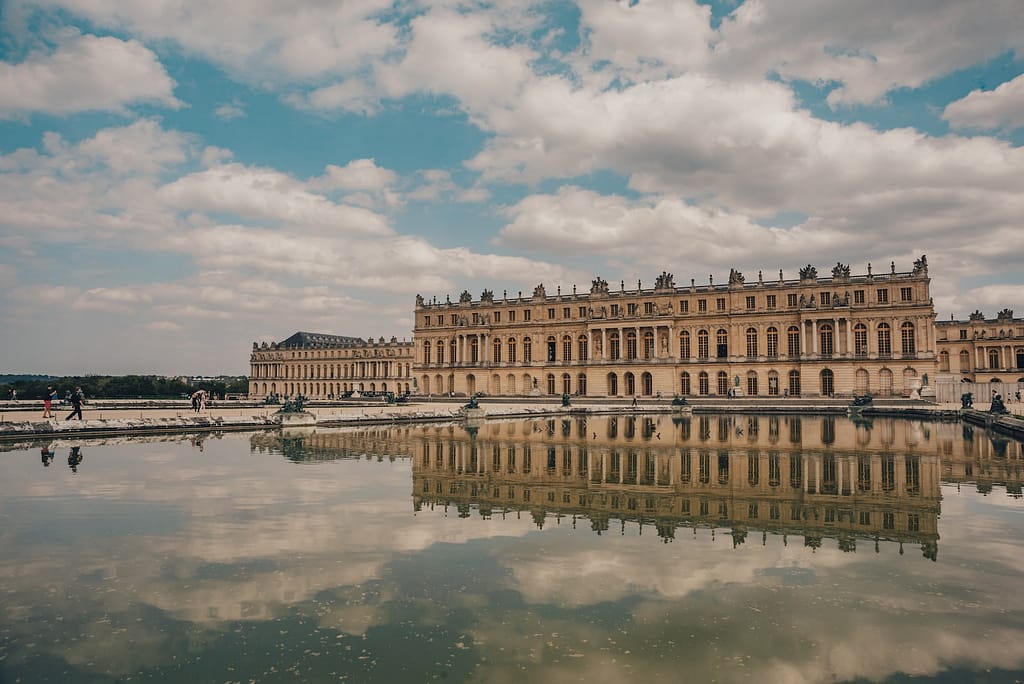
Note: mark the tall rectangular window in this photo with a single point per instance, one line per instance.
(791, 300)
(771, 301)
(684, 306)
(720, 304)
(511, 316)
(906, 294)
(648, 308)
(497, 317)
(566, 313)
(526, 314)
(631, 308)
(551, 314)
(858, 296)
(750, 303)
(702, 305)
(882, 295)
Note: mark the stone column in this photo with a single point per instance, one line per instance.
(814, 336)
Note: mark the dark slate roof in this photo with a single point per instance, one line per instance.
(305, 340)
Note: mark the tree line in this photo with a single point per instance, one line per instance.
(122, 387)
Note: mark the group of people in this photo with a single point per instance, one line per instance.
(74, 457)
(199, 399)
(75, 399)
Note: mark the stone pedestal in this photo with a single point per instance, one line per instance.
(296, 419)
(474, 413)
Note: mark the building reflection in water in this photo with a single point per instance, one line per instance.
(812, 477)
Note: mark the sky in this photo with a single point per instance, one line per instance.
(180, 179)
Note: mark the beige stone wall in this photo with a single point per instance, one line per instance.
(641, 341)
(324, 372)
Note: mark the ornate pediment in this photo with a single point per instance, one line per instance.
(465, 297)
(808, 272)
(665, 281)
(841, 271)
(599, 286)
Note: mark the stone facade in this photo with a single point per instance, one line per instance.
(813, 336)
(320, 366)
(980, 356)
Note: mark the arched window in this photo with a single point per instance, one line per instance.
(793, 341)
(613, 346)
(884, 339)
(794, 383)
(630, 346)
(649, 345)
(751, 342)
(702, 344)
(613, 385)
(943, 360)
(773, 383)
(702, 384)
(773, 341)
(551, 383)
(566, 384)
(825, 339)
(752, 383)
(993, 358)
(723, 383)
(527, 350)
(908, 347)
(965, 360)
(496, 351)
(581, 384)
(722, 340)
(828, 383)
(885, 382)
(582, 348)
(684, 344)
(453, 358)
(647, 383)
(566, 348)
(684, 382)
(862, 381)
(474, 349)
(552, 346)
(630, 384)
(426, 351)
(512, 350)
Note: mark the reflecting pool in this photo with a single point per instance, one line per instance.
(590, 548)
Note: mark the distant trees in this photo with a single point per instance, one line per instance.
(123, 386)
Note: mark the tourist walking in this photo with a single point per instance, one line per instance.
(76, 404)
(196, 398)
(48, 399)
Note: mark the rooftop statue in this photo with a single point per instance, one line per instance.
(921, 265)
(808, 272)
(841, 271)
(735, 277)
(665, 281)
(465, 297)
(598, 286)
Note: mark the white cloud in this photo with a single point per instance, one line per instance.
(867, 51)
(229, 110)
(1002, 108)
(262, 193)
(85, 73)
(358, 174)
(256, 40)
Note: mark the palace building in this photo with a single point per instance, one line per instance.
(813, 336)
(323, 366)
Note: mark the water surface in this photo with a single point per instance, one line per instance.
(599, 549)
